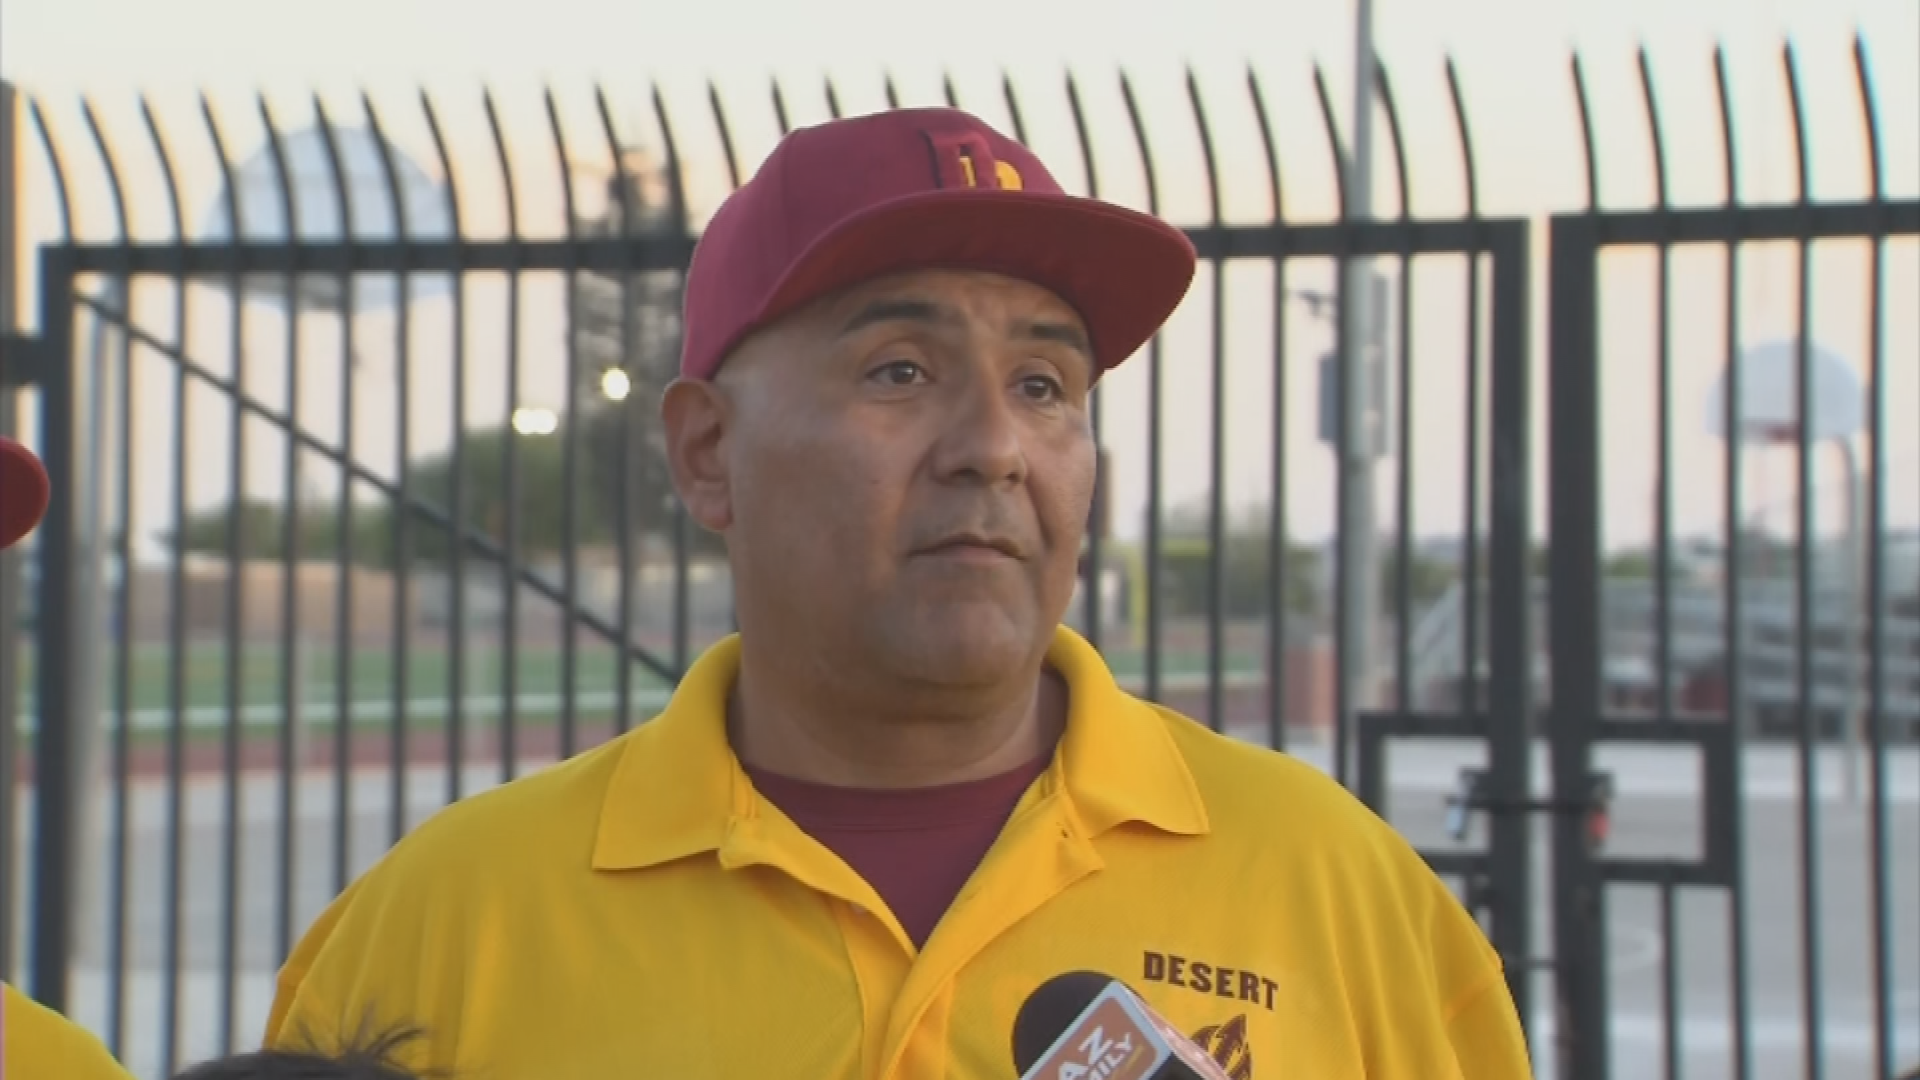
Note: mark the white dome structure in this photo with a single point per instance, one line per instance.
(319, 217)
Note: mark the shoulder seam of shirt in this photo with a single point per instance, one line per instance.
(1474, 991)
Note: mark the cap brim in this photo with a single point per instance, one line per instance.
(1123, 271)
(23, 492)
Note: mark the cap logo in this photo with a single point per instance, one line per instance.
(963, 160)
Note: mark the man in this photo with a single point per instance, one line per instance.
(37, 1043)
(903, 796)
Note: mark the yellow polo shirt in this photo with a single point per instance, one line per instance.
(641, 911)
(37, 1043)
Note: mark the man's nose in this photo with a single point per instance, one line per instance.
(980, 437)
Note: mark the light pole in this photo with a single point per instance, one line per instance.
(1356, 583)
(1327, 306)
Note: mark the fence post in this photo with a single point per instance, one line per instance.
(57, 783)
(1510, 704)
(1573, 496)
(10, 577)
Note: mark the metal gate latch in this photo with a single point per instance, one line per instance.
(1472, 796)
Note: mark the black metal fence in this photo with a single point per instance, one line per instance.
(1583, 715)
(264, 636)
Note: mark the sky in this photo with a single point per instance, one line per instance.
(1511, 56)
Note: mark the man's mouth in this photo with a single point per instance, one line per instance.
(971, 546)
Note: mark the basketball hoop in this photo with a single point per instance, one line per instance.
(1778, 399)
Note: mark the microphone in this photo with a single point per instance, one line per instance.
(1088, 1026)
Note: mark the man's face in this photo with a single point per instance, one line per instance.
(903, 473)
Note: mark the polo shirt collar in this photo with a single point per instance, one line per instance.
(679, 791)
(678, 786)
(1118, 761)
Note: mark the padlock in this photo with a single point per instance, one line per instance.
(1599, 826)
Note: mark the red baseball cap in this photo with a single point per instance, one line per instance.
(922, 189)
(23, 492)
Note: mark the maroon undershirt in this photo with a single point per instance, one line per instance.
(916, 846)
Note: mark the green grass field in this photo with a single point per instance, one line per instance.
(370, 692)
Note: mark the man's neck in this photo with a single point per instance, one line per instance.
(809, 732)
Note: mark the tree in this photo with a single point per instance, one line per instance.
(1428, 579)
(1185, 560)
(262, 528)
(1635, 564)
(630, 326)
(430, 481)
(540, 518)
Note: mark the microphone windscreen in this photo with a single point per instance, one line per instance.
(1049, 1010)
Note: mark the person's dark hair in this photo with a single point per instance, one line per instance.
(368, 1057)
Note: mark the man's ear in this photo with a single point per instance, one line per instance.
(695, 415)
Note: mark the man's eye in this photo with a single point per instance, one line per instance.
(1041, 388)
(899, 373)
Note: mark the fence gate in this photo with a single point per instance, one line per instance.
(1494, 710)
(1777, 652)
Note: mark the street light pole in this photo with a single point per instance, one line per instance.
(1357, 584)
(1853, 613)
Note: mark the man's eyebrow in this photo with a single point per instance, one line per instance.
(896, 309)
(1058, 333)
(913, 309)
